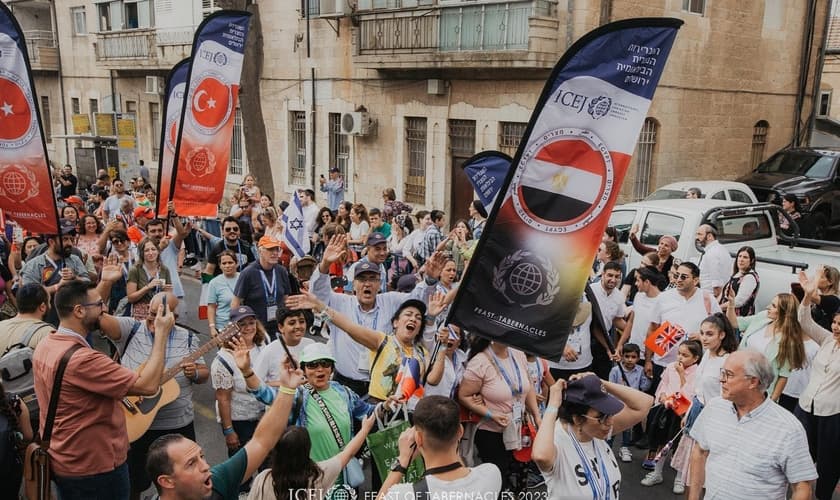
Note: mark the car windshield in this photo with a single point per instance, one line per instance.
(666, 194)
(808, 165)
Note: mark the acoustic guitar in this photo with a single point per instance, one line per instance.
(140, 411)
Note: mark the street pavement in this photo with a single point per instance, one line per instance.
(210, 437)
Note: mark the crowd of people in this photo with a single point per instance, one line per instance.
(742, 401)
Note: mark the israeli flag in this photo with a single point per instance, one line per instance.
(295, 233)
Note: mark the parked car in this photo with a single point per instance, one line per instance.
(778, 259)
(711, 190)
(812, 175)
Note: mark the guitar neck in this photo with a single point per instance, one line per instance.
(228, 332)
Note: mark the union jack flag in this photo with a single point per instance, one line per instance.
(665, 338)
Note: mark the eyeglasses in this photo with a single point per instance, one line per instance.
(726, 375)
(319, 363)
(368, 279)
(602, 419)
(100, 304)
(231, 229)
(683, 276)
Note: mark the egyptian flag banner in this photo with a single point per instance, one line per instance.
(202, 151)
(26, 193)
(173, 104)
(529, 270)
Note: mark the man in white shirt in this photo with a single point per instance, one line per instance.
(610, 299)
(715, 263)
(747, 446)
(310, 209)
(435, 435)
(111, 205)
(685, 307)
(644, 306)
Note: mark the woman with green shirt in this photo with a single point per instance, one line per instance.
(777, 333)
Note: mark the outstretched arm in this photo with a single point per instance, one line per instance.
(361, 334)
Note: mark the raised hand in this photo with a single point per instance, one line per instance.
(555, 393)
(111, 270)
(437, 303)
(289, 376)
(241, 353)
(164, 321)
(434, 265)
(305, 300)
(336, 249)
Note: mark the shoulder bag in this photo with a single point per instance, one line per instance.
(36, 465)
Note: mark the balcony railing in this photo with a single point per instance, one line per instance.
(147, 47)
(503, 26)
(40, 45)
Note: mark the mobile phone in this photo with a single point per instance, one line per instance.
(322, 176)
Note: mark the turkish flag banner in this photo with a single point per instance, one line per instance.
(26, 194)
(202, 150)
(529, 270)
(173, 104)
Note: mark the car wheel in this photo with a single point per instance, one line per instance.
(818, 226)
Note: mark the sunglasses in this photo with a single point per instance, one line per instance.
(683, 276)
(319, 363)
(602, 419)
(117, 241)
(231, 229)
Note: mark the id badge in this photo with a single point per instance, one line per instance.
(271, 313)
(364, 364)
(517, 412)
(574, 341)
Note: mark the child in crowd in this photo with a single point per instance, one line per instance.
(541, 378)
(636, 379)
(664, 422)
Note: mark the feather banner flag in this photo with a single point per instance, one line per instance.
(528, 272)
(202, 151)
(173, 104)
(26, 189)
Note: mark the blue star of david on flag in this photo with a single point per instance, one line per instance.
(295, 234)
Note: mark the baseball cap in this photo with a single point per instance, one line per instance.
(144, 212)
(305, 266)
(66, 226)
(417, 304)
(366, 267)
(334, 170)
(73, 200)
(316, 351)
(241, 313)
(590, 391)
(268, 242)
(375, 238)
(406, 283)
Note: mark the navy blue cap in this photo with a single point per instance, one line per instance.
(365, 267)
(375, 238)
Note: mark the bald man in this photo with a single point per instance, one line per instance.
(715, 263)
(177, 416)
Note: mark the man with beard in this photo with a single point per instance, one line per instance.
(89, 443)
(113, 204)
(715, 263)
(170, 245)
(56, 266)
(230, 241)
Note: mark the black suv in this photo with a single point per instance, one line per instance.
(812, 175)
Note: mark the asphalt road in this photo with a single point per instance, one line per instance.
(210, 437)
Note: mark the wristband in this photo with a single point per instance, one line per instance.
(551, 409)
(286, 390)
(488, 415)
(212, 325)
(248, 375)
(227, 431)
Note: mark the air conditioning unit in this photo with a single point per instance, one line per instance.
(356, 123)
(154, 85)
(334, 8)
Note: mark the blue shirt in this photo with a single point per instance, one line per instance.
(335, 192)
(636, 377)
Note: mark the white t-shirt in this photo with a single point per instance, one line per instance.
(451, 374)
(568, 478)
(707, 377)
(643, 311)
(688, 314)
(263, 486)
(579, 340)
(759, 340)
(612, 305)
(799, 378)
(483, 481)
(267, 367)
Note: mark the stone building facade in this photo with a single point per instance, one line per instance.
(441, 80)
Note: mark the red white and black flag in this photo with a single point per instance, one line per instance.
(202, 152)
(26, 193)
(537, 249)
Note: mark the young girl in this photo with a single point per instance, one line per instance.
(663, 422)
(719, 340)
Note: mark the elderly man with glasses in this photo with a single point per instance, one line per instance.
(749, 447)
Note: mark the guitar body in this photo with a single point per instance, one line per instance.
(140, 411)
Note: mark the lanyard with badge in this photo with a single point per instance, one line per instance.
(599, 490)
(270, 290)
(517, 405)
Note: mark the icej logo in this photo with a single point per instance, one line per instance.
(597, 107)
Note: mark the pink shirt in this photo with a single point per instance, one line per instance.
(89, 434)
(497, 394)
(670, 382)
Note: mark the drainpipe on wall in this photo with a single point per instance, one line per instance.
(818, 72)
(804, 65)
(312, 70)
(606, 12)
(60, 83)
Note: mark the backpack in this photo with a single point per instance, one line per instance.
(11, 460)
(16, 369)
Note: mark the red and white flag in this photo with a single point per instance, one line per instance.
(26, 193)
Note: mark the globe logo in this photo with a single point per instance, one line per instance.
(14, 183)
(526, 279)
(341, 492)
(599, 107)
(200, 162)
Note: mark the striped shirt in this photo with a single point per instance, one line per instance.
(755, 457)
